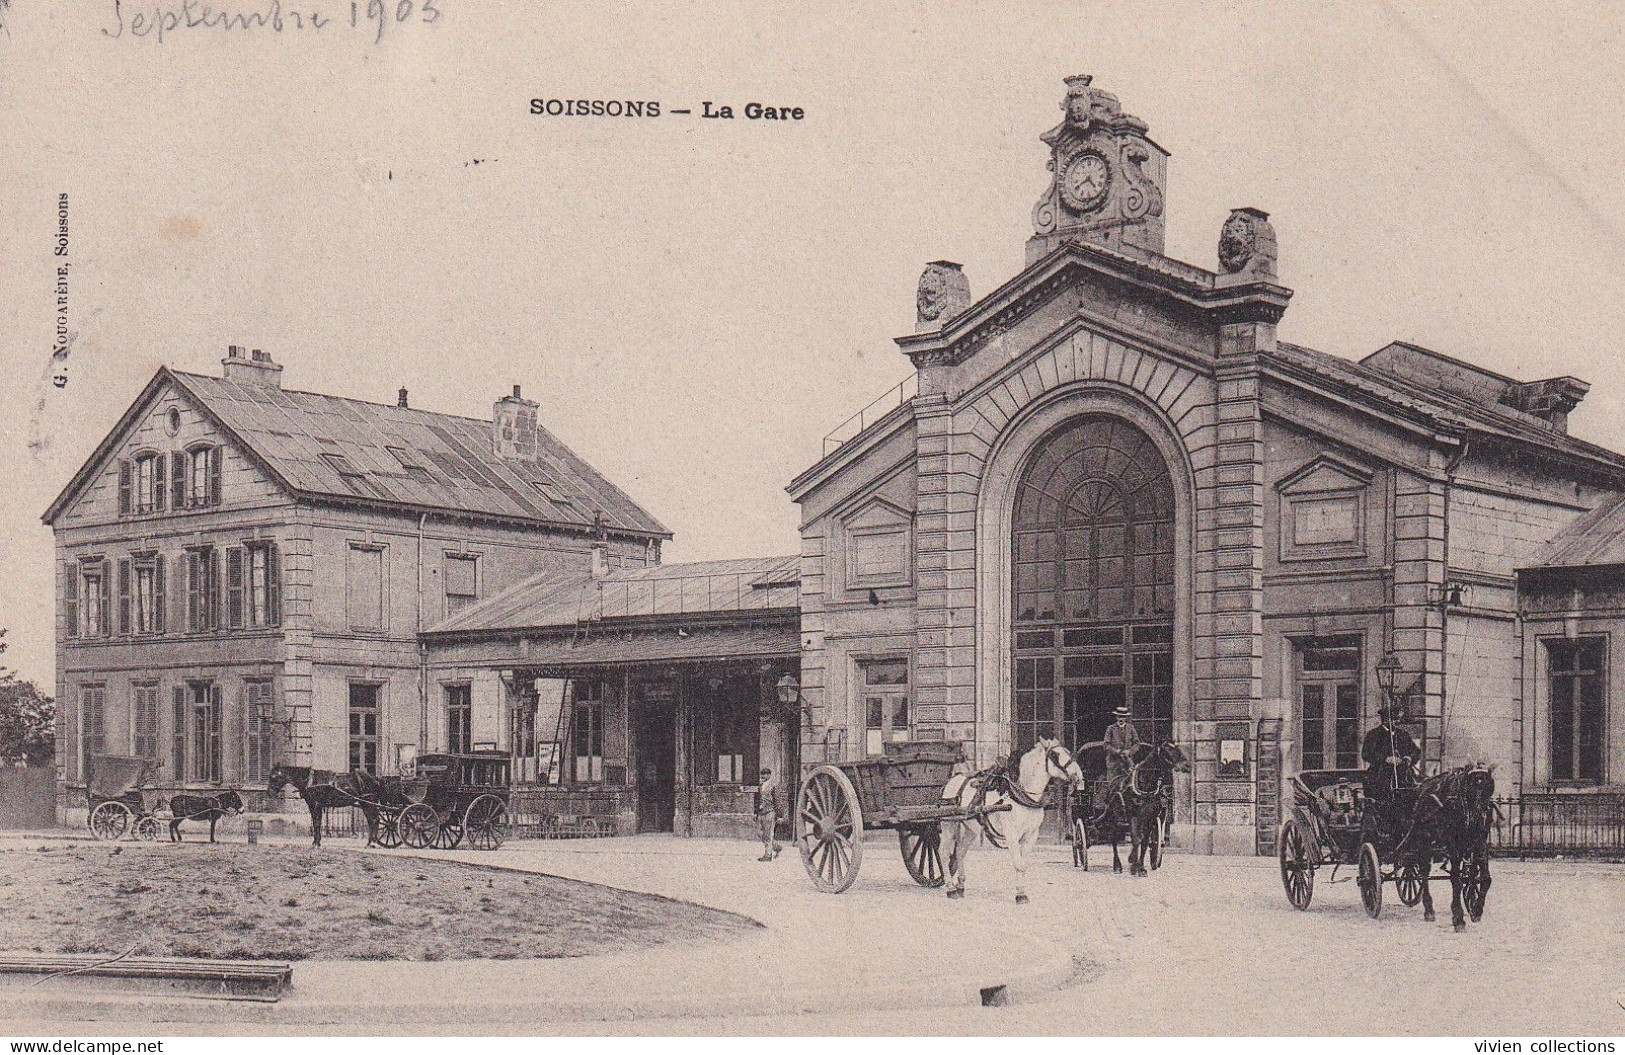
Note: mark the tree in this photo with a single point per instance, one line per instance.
(27, 718)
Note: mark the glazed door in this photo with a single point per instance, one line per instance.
(654, 731)
(1088, 711)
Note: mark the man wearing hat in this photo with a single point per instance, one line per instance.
(1390, 756)
(1121, 739)
(768, 803)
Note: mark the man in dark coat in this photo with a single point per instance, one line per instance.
(1121, 739)
(1390, 756)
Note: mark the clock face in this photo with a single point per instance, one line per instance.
(1084, 183)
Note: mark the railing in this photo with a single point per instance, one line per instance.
(853, 426)
(1578, 825)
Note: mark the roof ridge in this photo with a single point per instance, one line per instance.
(349, 399)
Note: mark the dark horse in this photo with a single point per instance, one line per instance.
(324, 789)
(202, 808)
(1451, 823)
(1134, 808)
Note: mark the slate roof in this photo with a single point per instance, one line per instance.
(704, 588)
(320, 445)
(1598, 538)
(666, 646)
(1446, 408)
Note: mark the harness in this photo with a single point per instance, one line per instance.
(999, 780)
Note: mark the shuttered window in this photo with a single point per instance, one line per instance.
(144, 721)
(206, 754)
(92, 723)
(202, 590)
(257, 734)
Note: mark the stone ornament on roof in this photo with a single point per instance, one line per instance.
(1247, 245)
(944, 293)
(1107, 177)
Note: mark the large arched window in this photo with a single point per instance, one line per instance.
(1093, 545)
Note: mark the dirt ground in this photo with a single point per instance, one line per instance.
(286, 903)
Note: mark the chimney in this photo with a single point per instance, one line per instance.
(400, 400)
(251, 368)
(513, 427)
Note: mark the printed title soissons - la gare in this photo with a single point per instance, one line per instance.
(752, 111)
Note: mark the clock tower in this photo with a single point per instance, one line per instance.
(1107, 177)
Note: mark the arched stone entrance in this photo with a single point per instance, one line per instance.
(1092, 573)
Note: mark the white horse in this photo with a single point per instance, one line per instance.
(1014, 810)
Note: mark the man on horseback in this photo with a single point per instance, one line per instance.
(1390, 756)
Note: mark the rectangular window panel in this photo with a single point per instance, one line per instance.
(587, 732)
(880, 555)
(1576, 689)
(459, 718)
(93, 721)
(1348, 726)
(364, 588)
(886, 672)
(144, 722)
(364, 728)
(1313, 740)
(258, 741)
(461, 576)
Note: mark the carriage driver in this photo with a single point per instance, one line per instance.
(1121, 739)
(1390, 756)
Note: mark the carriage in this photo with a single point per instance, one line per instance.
(451, 798)
(1091, 824)
(114, 793)
(1329, 823)
(901, 791)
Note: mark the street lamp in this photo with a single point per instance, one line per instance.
(789, 692)
(1387, 672)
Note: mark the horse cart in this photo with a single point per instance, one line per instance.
(114, 793)
(1329, 822)
(901, 791)
(453, 798)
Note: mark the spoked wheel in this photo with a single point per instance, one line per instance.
(419, 825)
(1080, 844)
(922, 853)
(1369, 878)
(1409, 880)
(1297, 869)
(146, 828)
(1154, 856)
(110, 820)
(450, 835)
(486, 822)
(829, 829)
(389, 829)
(1475, 885)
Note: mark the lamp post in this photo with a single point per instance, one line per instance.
(1387, 672)
(789, 691)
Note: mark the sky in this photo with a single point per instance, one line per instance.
(695, 303)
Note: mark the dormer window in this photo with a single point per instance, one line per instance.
(196, 481)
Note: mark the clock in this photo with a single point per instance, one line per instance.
(1085, 182)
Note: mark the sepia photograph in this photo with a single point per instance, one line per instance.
(934, 520)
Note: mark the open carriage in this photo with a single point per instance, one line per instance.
(115, 795)
(454, 798)
(1330, 824)
(901, 791)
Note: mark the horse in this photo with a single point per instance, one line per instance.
(1009, 810)
(1451, 821)
(202, 808)
(324, 789)
(1134, 807)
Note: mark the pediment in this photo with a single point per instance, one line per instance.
(877, 512)
(1323, 474)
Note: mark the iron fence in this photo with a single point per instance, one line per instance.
(1591, 825)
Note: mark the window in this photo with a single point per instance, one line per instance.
(364, 728)
(885, 703)
(459, 718)
(1576, 678)
(728, 729)
(92, 722)
(93, 599)
(253, 586)
(1328, 678)
(259, 718)
(364, 587)
(202, 590)
(201, 477)
(354, 480)
(461, 582)
(205, 724)
(141, 488)
(144, 600)
(144, 722)
(587, 731)
(177, 747)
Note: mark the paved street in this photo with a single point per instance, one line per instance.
(1206, 945)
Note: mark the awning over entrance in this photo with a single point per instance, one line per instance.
(665, 646)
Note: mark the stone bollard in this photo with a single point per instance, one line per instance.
(254, 829)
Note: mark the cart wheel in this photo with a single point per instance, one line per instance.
(829, 829)
(1370, 880)
(419, 825)
(1475, 886)
(110, 821)
(486, 821)
(922, 853)
(1408, 881)
(449, 836)
(1297, 870)
(1080, 844)
(146, 828)
(1155, 855)
(389, 829)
